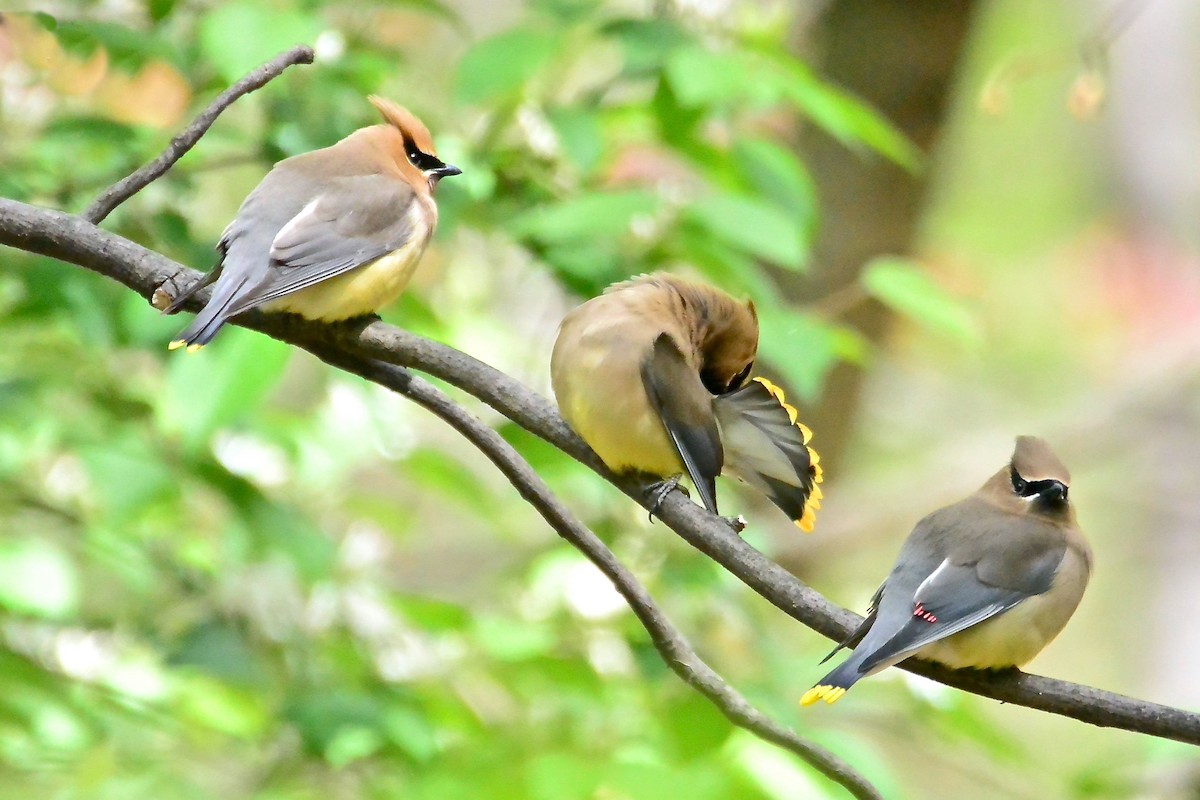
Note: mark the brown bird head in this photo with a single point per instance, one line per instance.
(1038, 477)
(420, 162)
(723, 331)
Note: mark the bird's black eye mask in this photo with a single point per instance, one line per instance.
(1049, 487)
(420, 159)
(716, 386)
(740, 378)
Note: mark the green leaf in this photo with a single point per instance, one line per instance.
(507, 639)
(646, 43)
(586, 270)
(567, 11)
(776, 173)
(352, 743)
(579, 132)
(412, 733)
(219, 650)
(127, 48)
(599, 215)
(232, 711)
(433, 615)
(755, 227)
(696, 726)
(320, 716)
(238, 37)
(37, 577)
(160, 9)
(562, 776)
(846, 118)
(701, 76)
(901, 285)
(499, 66)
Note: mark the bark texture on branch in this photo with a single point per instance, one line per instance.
(74, 240)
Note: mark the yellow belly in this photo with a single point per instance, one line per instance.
(626, 438)
(362, 290)
(1013, 638)
(602, 397)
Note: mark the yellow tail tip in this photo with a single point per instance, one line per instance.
(806, 522)
(775, 391)
(830, 694)
(192, 348)
(176, 344)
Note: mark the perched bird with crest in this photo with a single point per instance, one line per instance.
(654, 374)
(331, 234)
(984, 583)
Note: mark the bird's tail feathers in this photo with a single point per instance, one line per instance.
(767, 447)
(210, 319)
(829, 693)
(835, 684)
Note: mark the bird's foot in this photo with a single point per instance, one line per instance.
(738, 523)
(658, 491)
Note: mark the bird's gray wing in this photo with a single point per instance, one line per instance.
(986, 576)
(352, 221)
(686, 410)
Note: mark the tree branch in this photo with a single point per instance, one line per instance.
(670, 643)
(127, 187)
(70, 239)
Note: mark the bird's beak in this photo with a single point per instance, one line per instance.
(1055, 491)
(445, 171)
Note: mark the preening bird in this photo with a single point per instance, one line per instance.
(331, 234)
(984, 583)
(654, 374)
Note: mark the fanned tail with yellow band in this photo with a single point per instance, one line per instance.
(767, 447)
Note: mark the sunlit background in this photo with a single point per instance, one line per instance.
(240, 574)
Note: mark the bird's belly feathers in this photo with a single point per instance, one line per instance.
(1008, 640)
(362, 290)
(604, 400)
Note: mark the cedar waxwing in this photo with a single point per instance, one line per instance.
(653, 374)
(331, 234)
(984, 583)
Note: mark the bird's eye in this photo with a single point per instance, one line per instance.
(741, 377)
(1019, 483)
(419, 158)
(411, 150)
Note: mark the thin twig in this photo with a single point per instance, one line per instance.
(127, 187)
(71, 239)
(670, 643)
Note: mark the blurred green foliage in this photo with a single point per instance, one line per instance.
(240, 574)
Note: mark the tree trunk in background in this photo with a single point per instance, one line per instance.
(902, 58)
(1154, 115)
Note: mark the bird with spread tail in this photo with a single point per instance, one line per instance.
(654, 375)
(331, 234)
(985, 583)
